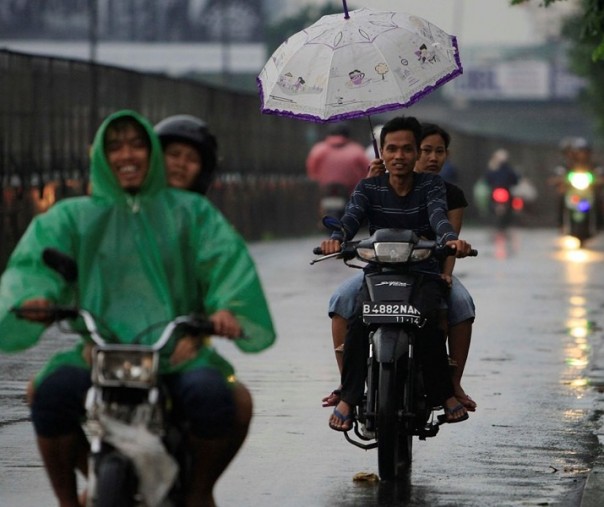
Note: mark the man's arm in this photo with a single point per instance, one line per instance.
(230, 282)
(437, 211)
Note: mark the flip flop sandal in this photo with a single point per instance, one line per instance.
(442, 419)
(343, 418)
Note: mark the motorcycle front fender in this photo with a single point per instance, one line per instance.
(390, 343)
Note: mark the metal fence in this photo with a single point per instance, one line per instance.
(51, 107)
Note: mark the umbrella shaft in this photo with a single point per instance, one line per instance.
(346, 15)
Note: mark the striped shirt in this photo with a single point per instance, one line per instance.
(423, 210)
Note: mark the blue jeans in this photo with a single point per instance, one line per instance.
(201, 396)
(459, 301)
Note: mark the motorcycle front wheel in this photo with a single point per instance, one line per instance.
(394, 437)
(116, 482)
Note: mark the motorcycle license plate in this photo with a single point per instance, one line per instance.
(390, 313)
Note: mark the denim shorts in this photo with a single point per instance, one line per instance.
(201, 396)
(459, 302)
(343, 300)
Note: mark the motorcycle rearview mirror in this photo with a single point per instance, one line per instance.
(333, 224)
(62, 263)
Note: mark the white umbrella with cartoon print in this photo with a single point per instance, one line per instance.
(356, 64)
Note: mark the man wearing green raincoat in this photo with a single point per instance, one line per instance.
(146, 253)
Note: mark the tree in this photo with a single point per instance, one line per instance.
(591, 26)
(585, 34)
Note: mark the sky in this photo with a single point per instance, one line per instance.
(474, 22)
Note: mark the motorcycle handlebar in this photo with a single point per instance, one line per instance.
(54, 313)
(190, 324)
(473, 252)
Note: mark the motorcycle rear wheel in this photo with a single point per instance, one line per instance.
(116, 482)
(394, 438)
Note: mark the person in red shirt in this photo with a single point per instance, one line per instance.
(336, 163)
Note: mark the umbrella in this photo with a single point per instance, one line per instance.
(355, 64)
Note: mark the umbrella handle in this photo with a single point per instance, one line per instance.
(375, 146)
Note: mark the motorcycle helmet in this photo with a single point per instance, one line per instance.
(194, 131)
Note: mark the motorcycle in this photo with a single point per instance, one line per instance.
(333, 199)
(395, 407)
(138, 453)
(504, 205)
(579, 213)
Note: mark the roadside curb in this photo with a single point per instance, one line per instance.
(593, 492)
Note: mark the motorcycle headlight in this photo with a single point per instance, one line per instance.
(580, 180)
(367, 254)
(122, 367)
(386, 252)
(421, 254)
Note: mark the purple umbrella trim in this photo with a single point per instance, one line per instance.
(373, 110)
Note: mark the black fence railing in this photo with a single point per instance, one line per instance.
(50, 109)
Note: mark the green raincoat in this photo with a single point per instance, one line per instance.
(143, 259)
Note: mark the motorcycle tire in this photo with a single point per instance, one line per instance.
(394, 436)
(581, 229)
(116, 482)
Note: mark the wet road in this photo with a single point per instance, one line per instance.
(529, 443)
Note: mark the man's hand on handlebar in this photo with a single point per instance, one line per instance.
(225, 324)
(330, 246)
(462, 248)
(36, 310)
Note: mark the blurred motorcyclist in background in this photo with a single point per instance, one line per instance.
(337, 164)
(577, 155)
(500, 178)
(499, 173)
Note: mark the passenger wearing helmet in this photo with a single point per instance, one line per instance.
(189, 152)
(190, 159)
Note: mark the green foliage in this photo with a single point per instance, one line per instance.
(584, 45)
(592, 22)
(277, 33)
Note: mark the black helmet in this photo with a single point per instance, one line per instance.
(195, 131)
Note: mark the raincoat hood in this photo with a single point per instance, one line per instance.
(104, 183)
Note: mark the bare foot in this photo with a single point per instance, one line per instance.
(464, 399)
(332, 399)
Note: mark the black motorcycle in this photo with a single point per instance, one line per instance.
(395, 407)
